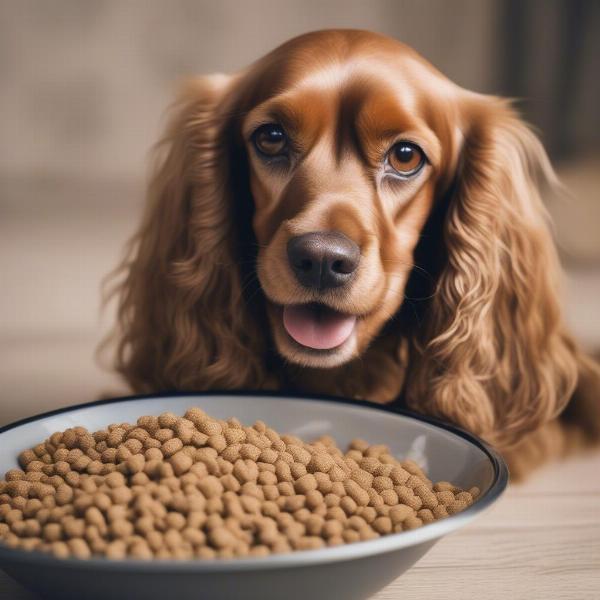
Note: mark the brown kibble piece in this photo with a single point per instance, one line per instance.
(465, 497)
(356, 492)
(320, 461)
(348, 505)
(306, 483)
(443, 486)
(300, 454)
(209, 427)
(398, 475)
(412, 522)
(79, 548)
(181, 463)
(445, 497)
(170, 447)
(428, 497)
(282, 470)
(250, 451)
(332, 528)
(362, 477)
(381, 483)
(60, 549)
(52, 532)
(407, 496)
(426, 515)
(456, 506)
(298, 470)
(221, 537)
(390, 497)
(401, 512)
(324, 483)
(382, 525)
(135, 463)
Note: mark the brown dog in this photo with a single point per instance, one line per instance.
(340, 218)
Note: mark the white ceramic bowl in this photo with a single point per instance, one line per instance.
(349, 572)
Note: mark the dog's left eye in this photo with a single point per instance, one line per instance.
(270, 139)
(406, 158)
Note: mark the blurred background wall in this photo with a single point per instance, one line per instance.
(84, 86)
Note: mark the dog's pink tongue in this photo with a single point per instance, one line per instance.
(317, 328)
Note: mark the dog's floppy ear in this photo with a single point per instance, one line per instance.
(492, 354)
(182, 320)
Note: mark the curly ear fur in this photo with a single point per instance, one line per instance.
(182, 322)
(493, 356)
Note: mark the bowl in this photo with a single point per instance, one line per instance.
(351, 572)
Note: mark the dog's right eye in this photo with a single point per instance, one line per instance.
(270, 139)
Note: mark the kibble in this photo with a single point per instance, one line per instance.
(193, 486)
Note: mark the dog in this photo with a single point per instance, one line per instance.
(342, 219)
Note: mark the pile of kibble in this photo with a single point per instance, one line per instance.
(199, 487)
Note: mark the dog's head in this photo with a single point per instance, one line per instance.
(348, 140)
(307, 182)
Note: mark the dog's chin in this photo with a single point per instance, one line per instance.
(305, 355)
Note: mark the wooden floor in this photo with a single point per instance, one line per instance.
(540, 541)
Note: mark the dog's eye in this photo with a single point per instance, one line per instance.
(406, 158)
(270, 139)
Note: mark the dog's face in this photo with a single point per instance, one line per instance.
(345, 162)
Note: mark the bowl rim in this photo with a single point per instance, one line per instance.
(355, 550)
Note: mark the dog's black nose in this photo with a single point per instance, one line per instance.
(324, 259)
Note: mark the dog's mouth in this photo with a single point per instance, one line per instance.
(317, 326)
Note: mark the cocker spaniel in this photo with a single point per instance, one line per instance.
(340, 218)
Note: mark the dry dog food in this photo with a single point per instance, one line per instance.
(194, 486)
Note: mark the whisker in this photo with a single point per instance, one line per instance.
(411, 265)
